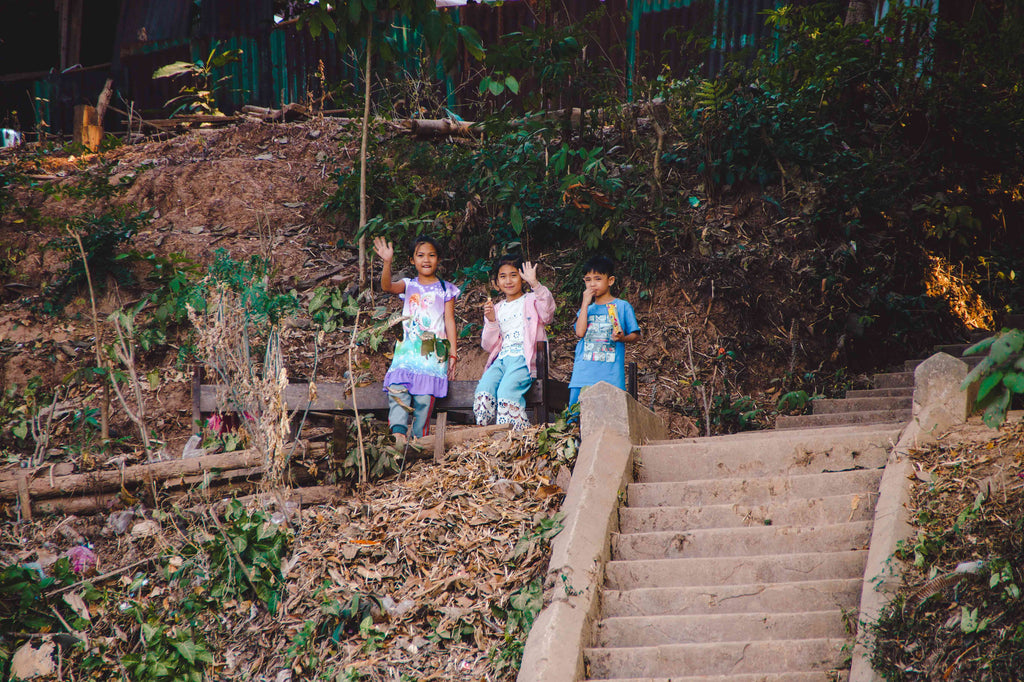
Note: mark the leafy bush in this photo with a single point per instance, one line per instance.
(1000, 374)
(102, 236)
(242, 560)
(170, 654)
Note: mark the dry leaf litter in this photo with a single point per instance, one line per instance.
(432, 556)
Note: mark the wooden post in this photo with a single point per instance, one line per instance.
(87, 132)
(631, 381)
(440, 427)
(541, 413)
(24, 498)
(197, 413)
(340, 440)
(104, 101)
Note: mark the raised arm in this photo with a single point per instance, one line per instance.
(386, 252)
(545, 301)
(581, 316)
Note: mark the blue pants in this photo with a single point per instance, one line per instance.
(401, 404)
(501, 393)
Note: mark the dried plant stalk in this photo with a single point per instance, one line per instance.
(226, 339)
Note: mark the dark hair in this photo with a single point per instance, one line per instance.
(427, 239)
(424, 239)
(513, 259)
(602, 265)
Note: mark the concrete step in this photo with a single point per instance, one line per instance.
(880, 392)
(645, 631)
(829, 406)
(740, 542)
(802, 453)
(842, 419)
(970, 361)
(746, 437)
(813, 595)
(954, 349)
(722, 658)
(815, 511)
(717, 571)
(751, 491)
(826, 676)
(893, 380)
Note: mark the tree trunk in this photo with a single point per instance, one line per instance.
(860, 11)
(362, 156)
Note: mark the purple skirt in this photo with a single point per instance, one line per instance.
(417, 384)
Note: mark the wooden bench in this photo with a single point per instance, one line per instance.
(545, 398)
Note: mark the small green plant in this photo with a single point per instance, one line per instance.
(102, 236)
(172, 276)
(545, 529)
(242, 560)
(330, 307)
(199, 95)
(1002, 579)
(383, 456)
(519, 615)
(793, 402)
(1000, 374)
(170, 654)
(24, 604)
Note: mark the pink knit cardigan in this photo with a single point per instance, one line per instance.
(538, 310)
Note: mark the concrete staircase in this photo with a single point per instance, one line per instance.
(892, 397)
(741, 557)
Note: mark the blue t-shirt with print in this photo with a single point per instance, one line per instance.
(598, 358)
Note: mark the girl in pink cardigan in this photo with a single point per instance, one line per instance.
(512, 328)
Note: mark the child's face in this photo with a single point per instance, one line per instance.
(425, 260)
(598, 283)
(509, 281)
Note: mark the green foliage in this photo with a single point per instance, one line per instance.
(519, 614)
(17, 410)
(171, 654)
(383, 456)
(172, 276)
(330, 307)
(437, 35)
(545, 529)
(199, 95)
(102, 236)
(249, 279)
(793, 402)
(1000, 374)
(560, 441)
(24, 604)
(257, 542)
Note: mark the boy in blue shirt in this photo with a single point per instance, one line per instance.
(604, 324)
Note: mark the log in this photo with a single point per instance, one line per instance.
(99, 481)
(105, 502)
(454, 437)
(442, 127)
(318, 494)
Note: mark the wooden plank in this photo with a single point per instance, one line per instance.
(335, 397)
